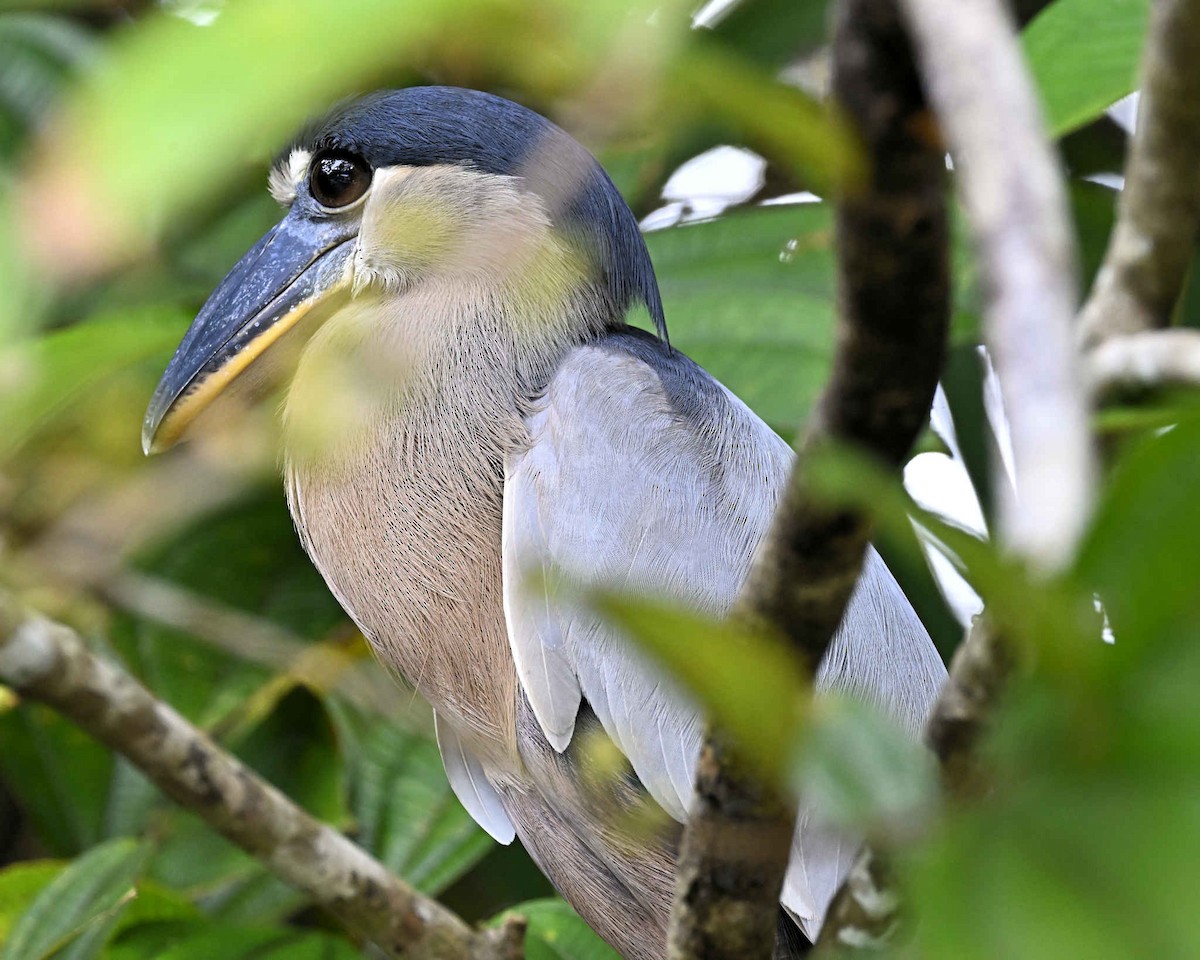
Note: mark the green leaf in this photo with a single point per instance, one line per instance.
(1145, 535)
(403, 807)
(750, 297)
(556, 932)
(773, 33)
(759, 703)
(59, 774)
(1084, 56)
(84, 900)
(247, 557)
(20, 885)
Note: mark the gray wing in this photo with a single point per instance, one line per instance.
(643, 473)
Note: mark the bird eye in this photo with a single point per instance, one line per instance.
(338, 178)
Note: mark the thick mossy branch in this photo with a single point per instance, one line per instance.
(894, 297)
(46, 661)
(1159, 209)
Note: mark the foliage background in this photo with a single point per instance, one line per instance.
(133, 144)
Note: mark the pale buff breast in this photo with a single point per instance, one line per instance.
(399, 507)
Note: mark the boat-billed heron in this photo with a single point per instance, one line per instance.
(474, 268)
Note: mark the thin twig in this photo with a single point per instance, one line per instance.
(1011, 184)
(894, 310)
(47, 661)
(1137, 362)
(1159, 209)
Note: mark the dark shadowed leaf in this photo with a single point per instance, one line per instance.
(206, 940)
(60, 775)
(774, 32)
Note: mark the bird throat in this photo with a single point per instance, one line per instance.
(399, 503)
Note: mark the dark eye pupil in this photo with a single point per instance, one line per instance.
(339, 178)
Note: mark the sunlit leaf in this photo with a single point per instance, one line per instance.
(20, 884)
(750, 297)
(1084, 56)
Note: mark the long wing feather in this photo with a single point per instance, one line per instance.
(471, 786)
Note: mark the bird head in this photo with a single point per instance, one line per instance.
(433, 188)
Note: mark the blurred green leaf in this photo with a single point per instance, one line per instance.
(859, 770)
(41, 378)
(759, 703)
(248, 79)
(750, 297)
(38, 52)
(1143, 548)
(805, 137)
(1084, 56)
(82, 901)
(555, 932)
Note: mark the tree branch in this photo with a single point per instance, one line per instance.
(1149, 360)
(894, 309)
(1159, 209)
(47, 661)
(1011, 185)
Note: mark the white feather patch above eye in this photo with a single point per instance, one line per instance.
(285, 176)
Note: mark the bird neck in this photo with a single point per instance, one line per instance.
(397, 427)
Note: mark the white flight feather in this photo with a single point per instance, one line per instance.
(478, 797)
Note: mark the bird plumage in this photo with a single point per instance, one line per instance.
(490, 425)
